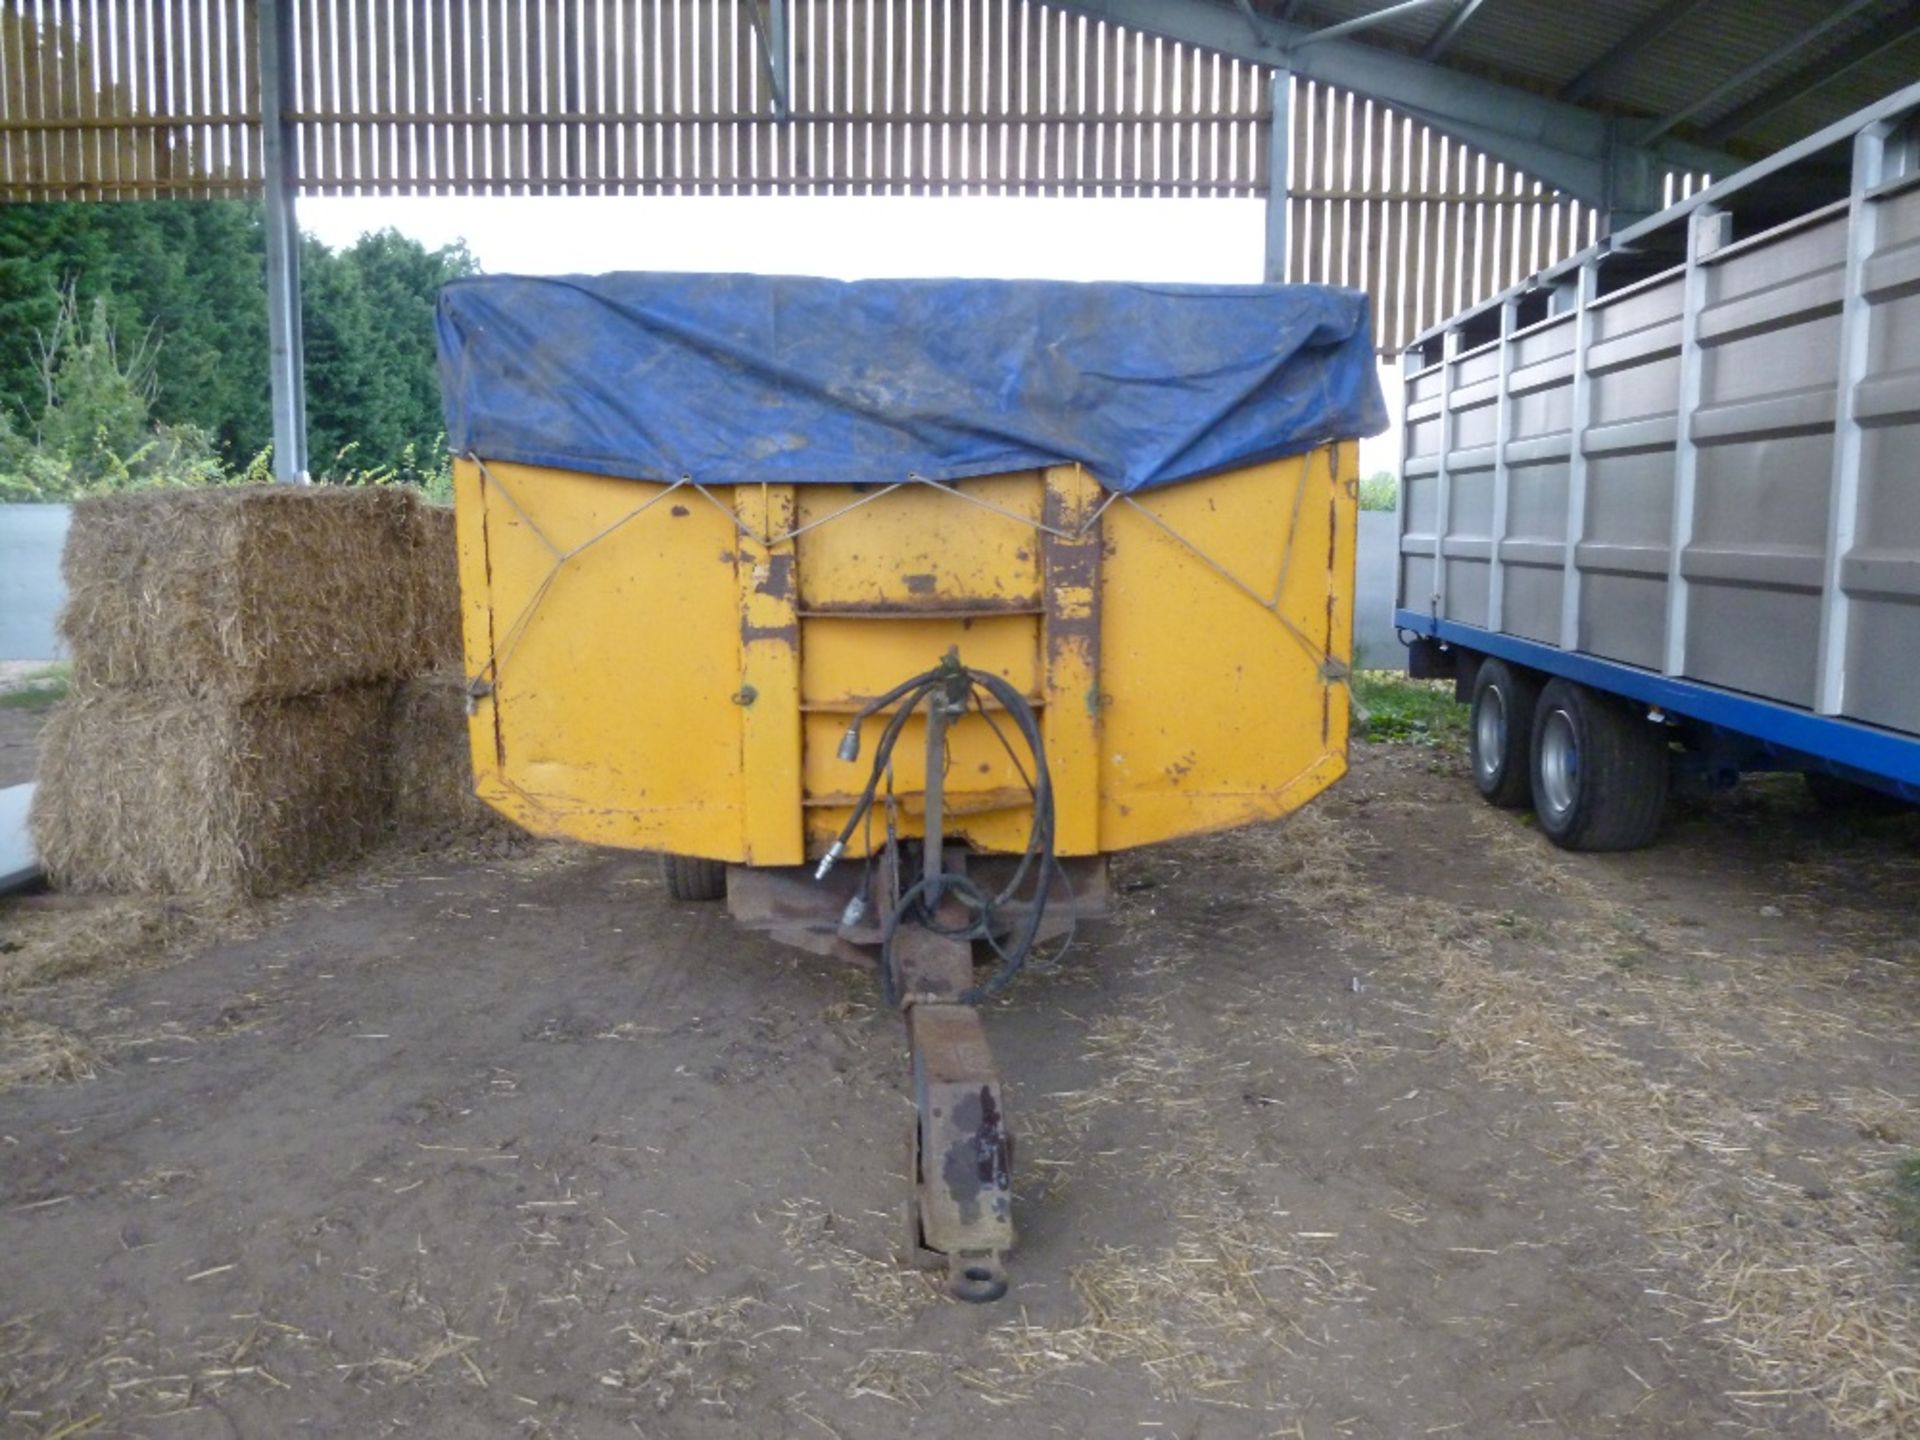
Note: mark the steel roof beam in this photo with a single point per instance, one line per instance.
(769, 21)
(1363, 22)
(1629, 48)
(1773, 59)
(1903, 24)
(1450, 29)
(1559, 144)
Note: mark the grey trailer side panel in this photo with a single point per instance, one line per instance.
(1881, 572)
(1696, 450)
(1532, 547)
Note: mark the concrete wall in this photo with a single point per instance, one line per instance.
(1374, 643)
(31, 538)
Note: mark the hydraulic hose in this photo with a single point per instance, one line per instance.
(954, 686)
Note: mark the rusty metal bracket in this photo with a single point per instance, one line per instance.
(961, 1213)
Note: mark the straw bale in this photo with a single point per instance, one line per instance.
(436, 573)
(430, 763)
(246, 592)
(145, 791)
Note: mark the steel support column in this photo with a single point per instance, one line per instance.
(1279, 148)
(1707, 231)
(1849, 435)
(1586, 284)
(286, 364)
(1502, 471)
(1443, 480)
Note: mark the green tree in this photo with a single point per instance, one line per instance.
(93, 429)
(373, 389)
(1380, 491)
(192, 274)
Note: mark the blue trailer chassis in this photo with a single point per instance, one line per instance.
(1729, 732)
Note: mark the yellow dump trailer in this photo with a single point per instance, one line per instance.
(672, 667)
(743, 584)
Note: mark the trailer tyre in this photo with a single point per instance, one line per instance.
(1599, 770)
(691, 878)
(1500, 733)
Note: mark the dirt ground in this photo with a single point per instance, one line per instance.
(1390, 1121)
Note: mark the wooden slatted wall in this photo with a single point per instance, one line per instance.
(128, 99)
(1423, 223)
(141, 99)
(672, 97)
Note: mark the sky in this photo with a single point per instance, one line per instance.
(850, 237)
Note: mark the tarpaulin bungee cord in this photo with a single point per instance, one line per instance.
(744, 379)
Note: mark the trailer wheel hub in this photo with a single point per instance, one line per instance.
(1559, 763)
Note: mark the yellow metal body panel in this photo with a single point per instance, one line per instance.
(672, 668)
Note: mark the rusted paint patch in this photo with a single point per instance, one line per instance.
(788, 634)
(932, 607)
(974, 1168)
(1326, 687)
(1072, 587)
(919, 584)
(773, 576)
(493, 652)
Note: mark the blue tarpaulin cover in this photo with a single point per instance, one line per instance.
(736, 379)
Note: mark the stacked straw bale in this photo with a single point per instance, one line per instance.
(429, 760)
(430, 763)
(237, 654)
(249, 592)
(437, 589)
(151, 792)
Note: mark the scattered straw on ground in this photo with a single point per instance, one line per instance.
(859, 1259)
(1789, 1256)
(1204, 1312)
(35, 1053)
(702, 1353)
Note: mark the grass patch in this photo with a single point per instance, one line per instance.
(1906, 1203)
(37, 690)
(1394, 710)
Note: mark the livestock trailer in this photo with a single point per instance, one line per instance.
(1660, 504)
(886, 611)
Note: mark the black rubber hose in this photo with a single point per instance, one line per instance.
(1038, 856)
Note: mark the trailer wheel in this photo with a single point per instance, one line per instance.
(690, 878)
(1599, 770)
(1500, 732)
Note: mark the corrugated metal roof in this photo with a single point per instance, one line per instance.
(1840, 95)
(1542, 45)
